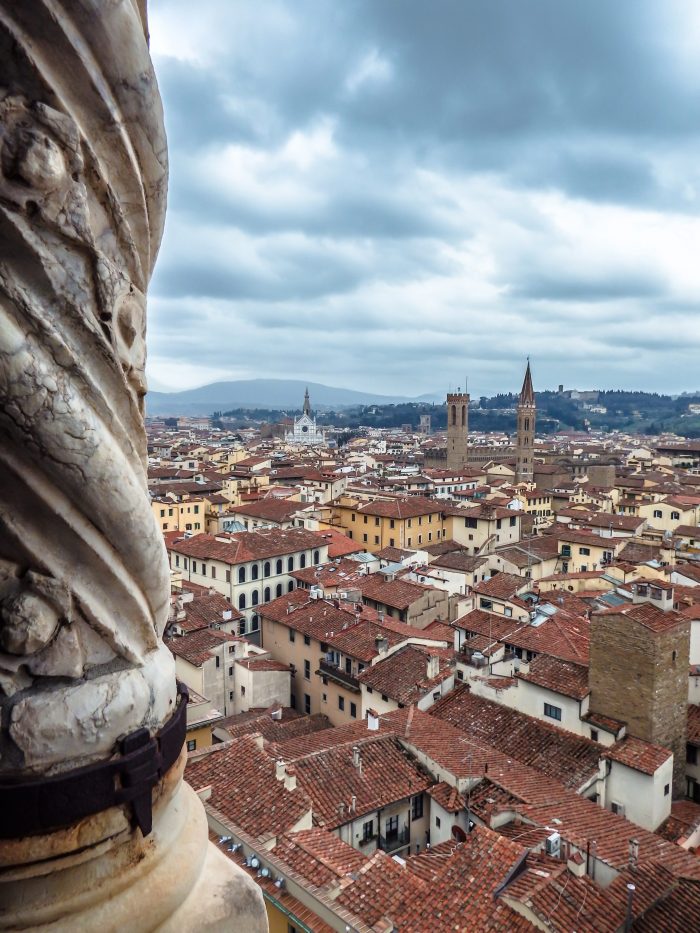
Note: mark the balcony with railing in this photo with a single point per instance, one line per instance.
(337, 674)
(397, 839)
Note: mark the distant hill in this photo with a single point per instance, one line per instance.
(260, 393)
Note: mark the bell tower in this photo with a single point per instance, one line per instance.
(457, 430)
(525, 442)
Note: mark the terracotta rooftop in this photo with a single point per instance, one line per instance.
(562, 756)
(246, 545)
(384, 775)
(245, 788)
(196, 647)
(637, 754)
(562, 677)
(403, 675)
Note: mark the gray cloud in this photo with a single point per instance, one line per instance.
(389, 194)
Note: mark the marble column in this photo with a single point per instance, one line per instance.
(84, 581)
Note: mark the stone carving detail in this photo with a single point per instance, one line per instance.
(83, 573)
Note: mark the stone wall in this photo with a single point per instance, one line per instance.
(635, 677)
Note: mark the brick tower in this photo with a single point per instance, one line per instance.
(525, 443)
(457, 430)
(639, 657)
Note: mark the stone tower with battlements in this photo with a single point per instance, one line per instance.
(457, 430)
(525, 442)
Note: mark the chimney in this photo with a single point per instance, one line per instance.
(280, 770)
(353, 803)
(381, 644)
(290, 778)
(633, 853)
(356, 756)
(372, 720)
(433, 666)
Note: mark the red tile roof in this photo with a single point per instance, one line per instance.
(197, 647)
(403, 675)
(245, 788)
(564, 677)
(637, 754)
(246, 545)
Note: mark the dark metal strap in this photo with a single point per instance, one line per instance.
(42, 805)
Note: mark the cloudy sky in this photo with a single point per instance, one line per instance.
(388, 194)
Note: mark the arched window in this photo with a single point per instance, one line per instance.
(527, 424)
(278, 590)
(241, 574)
(464, 415)
(241, 601)
(255, 623)
(254, 572)
(278, 567)
(266, 597)
(454, 414)
(255, 598)
(290, 564)
(302, 561)
(317, 557)
(290, 586)
(266, 569)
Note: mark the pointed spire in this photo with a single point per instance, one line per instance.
(527, 393)
(307, 403)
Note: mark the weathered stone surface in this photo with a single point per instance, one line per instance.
(84, 581)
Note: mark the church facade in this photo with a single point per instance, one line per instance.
(305, 430)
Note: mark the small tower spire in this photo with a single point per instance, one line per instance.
(527, 394)
(525, 432)
(307, 403)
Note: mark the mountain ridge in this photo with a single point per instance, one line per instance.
(265, 393)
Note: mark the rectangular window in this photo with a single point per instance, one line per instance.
(376, 522)
(364, 538)
(584, 551)
(218, 661)
(437, 822)
(485, 603)
(367, 830)
(594, 735)
(307, 704)
(376, 539)
(353, 710)
(230, 671)
(417, 807)
(292, 634)
(554, 712)
(691, 754)
(307, 669)
(194, 566)
(513, 522)
(228, 576)
(391, 523)
(191, 745)
(353, 516)
(196, 510)
(213, 573)
(307, 640)
(341, 703)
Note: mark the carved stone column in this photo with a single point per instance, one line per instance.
(100, 830)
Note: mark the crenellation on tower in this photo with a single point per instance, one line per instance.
(457, 430)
